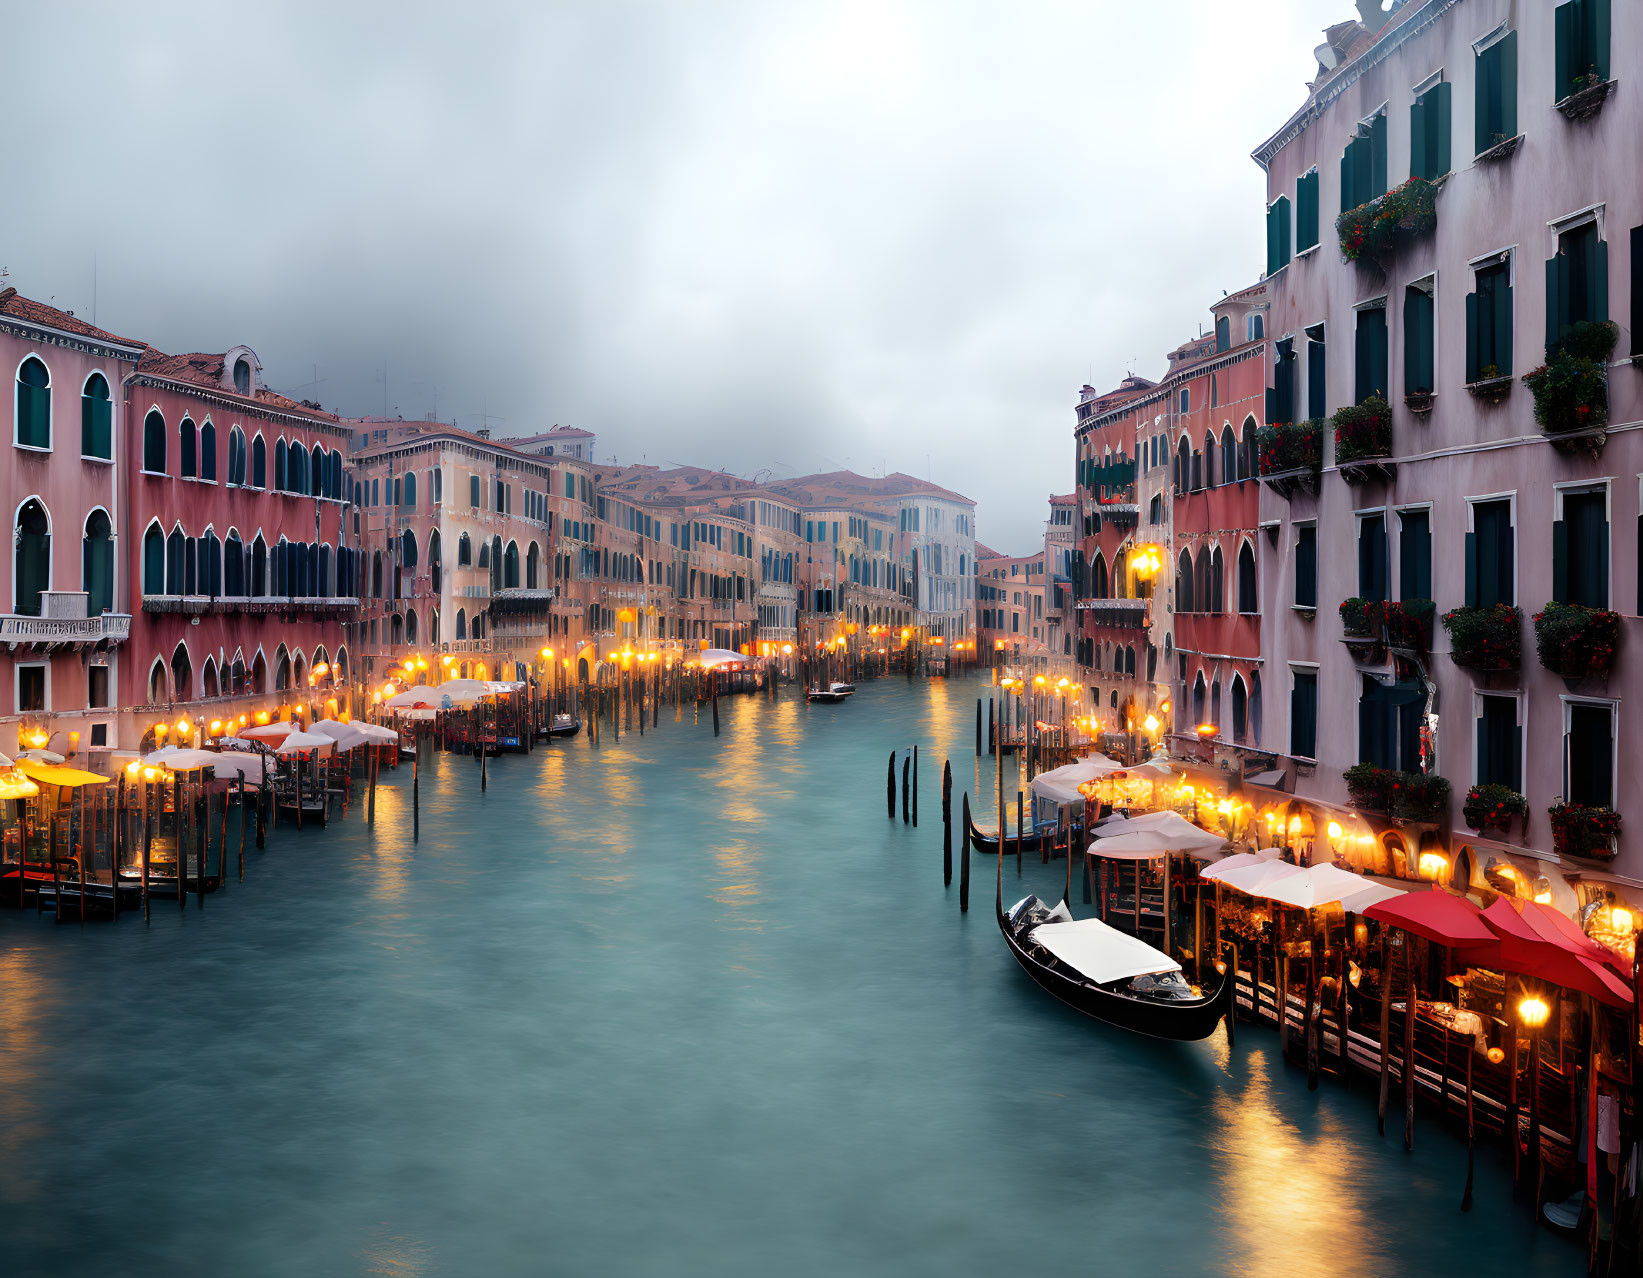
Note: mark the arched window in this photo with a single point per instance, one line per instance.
(1203, 591)
(533, 566)
(282, 669)
(176, 563)
(324, 588)
(157, 683)
(376, 574)
(433, 627)
(410, 625)
(97, 564)
(182, 675)
(242, 375)
(435, 569)
(1215, 706)
(1254, 327)
(154, 443)
(510, 567)
(496, 564)
(1255, 707)
(96, 419)
(259, 674)
(259, 568)
(1198, 694)
(33, 405)
(236, 456)
(407, 551)
(32, 574)
(485, 555)
(407, 491)
(233, 577)
(1229, 457)
(1209, 461)
(464, 551)
(461, 624)
(1250, 466)
(314, 473)
(279, 465)
(208, 678)
(154, 561)
(1129, 660)
(341, 664)
(208, 577)
(1248, 600)
(1184, 583)
(1217, 582)
(1240, 709)
(188, 444)
(259, 463)
(1098, 577)
(339, 486)
(1183, 466)
(208, 452)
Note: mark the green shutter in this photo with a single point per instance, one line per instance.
(1557, 297)
(1360, 360)
(1381, 355)
(1419, 165)
(1505, 558)
(1501, 298)
(1471, 570)
(1271, 239)
(1560, 561)
(1508, 84)
(1437, 146)
(1601, 566)
(1346, 180)
(1417, 337)
(1283, 230)
(1598, 279)
(1637, 290)
(1563, 23)
(1597, 16)
(1377, 156)
(1472, 363)
(1316, 384)
(1485, 100)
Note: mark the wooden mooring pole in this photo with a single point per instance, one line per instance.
(964, 860)
(947, 822)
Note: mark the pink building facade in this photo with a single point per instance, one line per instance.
(1441, 481)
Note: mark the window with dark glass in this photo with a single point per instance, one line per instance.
(1306, 566)
(1419, 339)
(1490, 555)
(1489, 324)
(1588, 754)
(1577, 281)
(1499, 743)
(31, 689)
(1303, 714)
(1317, 383)
(1582, 31)
(1429, 133)
(1495, 93)
(96, 419)
(1306, 211)
(1370, 355)
(1389, 721)
(1415, 554)
(1372, 557)
(33, 405)
(1580, 550)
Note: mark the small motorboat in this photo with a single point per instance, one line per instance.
(832, 694)
(846, 688)
(564, 725)
(1109, 975)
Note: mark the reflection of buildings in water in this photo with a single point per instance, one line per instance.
(22, 1066)
(1288, 1201)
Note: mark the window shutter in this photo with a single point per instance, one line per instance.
(1557, 295)
(1597, 15)
(1360, 361)
(1637, 290)
(1472, 364)
(1563, 23)
(1501, 298)
(1472, 568)
(1485, 94)
(1271, 238)
(1600, 567)
(1347, 202)
(1508, 84)
(1560, 561)
(1506, 556)
(1379, 354)
(1480, 758)
(1316, 384)
(1418, 159)
(1377, 156)
(1283, 230)
(1598, 279)
(1437, 147)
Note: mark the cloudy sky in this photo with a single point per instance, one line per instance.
(768, 237)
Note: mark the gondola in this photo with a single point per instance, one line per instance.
(832, 694)
(563, 725)
(985, 842)
(1107, 974)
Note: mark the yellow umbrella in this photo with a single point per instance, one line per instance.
(14, 785)
(54, 774)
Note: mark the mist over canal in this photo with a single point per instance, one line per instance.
(677, 1005)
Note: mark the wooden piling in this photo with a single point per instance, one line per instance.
(416, 793)
(947, 821)
(964, 860)
(906, 766)
(148, 836)
(915, 787)
(115, 853)
(181, 840)
(1386, 1030)
(370, 794)
(890, 786)
(1409, 1047)
(978, 727)
(201, 835)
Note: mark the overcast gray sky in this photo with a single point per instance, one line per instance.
(765, 237)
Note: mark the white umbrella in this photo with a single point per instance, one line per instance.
(1238, 860)
(346, 735)
(1060, 785)
(304, 742)
(376, 732)
(413, 698)
(274, 732)
(181, 758)
(41, 756)
(1159, 831)
(245, 764)
(1257, 879)
(1326, 884)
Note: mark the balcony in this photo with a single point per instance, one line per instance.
(1123, 614)
(517, 601)
(1363, 442)
(203, 605)
(63, 624)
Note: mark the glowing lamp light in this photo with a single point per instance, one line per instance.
(149, 774)
(216, 726)
(1224, 807)
(1621, 920)
(1294, 825)
(1207, 730)
(133, 768)
(1151, 723)
(321, 670)
(184, 727)
(1543, 898)
(160, 730)
(1334, 830)
(1496, 1055)
(38, 739)
(1533, 1012)
(1062, 683)
(1432, 865)
(262, 716)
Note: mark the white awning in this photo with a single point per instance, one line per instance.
(1060, 785)
(1100, 953)
(1153, 835)
(1330, 885)
(1238, 860)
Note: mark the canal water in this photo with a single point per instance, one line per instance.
(677, 1006)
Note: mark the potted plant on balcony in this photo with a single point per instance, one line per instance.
(1578, 830)
(1409, 624)
(1363, 433)
(1361, 618)
(1368, 787)
(1571, 389)
(1291, 455)
(1489, 640)
(1577, 642)
(1375, 230)
(1586, 96)
(1493, 807)
(1418, 796)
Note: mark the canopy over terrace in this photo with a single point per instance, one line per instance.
(1060, 785)
(722, 659)
(57, 774)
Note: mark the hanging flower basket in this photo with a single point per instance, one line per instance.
(1493, 807)
(1584, 831)
(1576, 642)
(1486, 639)
(1363, 430)
(1417, 796)
(1377, 229)
(1571, 389)
(1368, 787)
(1290, 446)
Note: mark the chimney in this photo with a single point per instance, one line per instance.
(1373, 16)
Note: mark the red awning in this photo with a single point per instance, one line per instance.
(1438, 916)
(1553, 925)
(1526, 949)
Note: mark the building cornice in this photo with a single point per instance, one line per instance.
(45, 335)
(243, 407)
(1354, 71)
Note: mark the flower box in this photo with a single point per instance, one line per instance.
(1363, 431)
(1290, 446)
(1576, 642)
(1571, 388)
(1500, 148)
(1589, 94)
(1493, 807)
(1583, 831)
(1368, 787)
(1486, 639)
(1492, 388)
(1377, 229)
(1362, 618)
(1418, 402)
(1418, 796)
(1408, 624)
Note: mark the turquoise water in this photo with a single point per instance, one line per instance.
(677, 1006)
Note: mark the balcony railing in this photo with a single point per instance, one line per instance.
(63, 622)
(200, 605)
(1125, 613)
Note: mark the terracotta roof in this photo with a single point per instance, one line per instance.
(1064, 499)
(846, 486)
(17, 306)
(558, 432)
(206, 371)
(412, 433)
